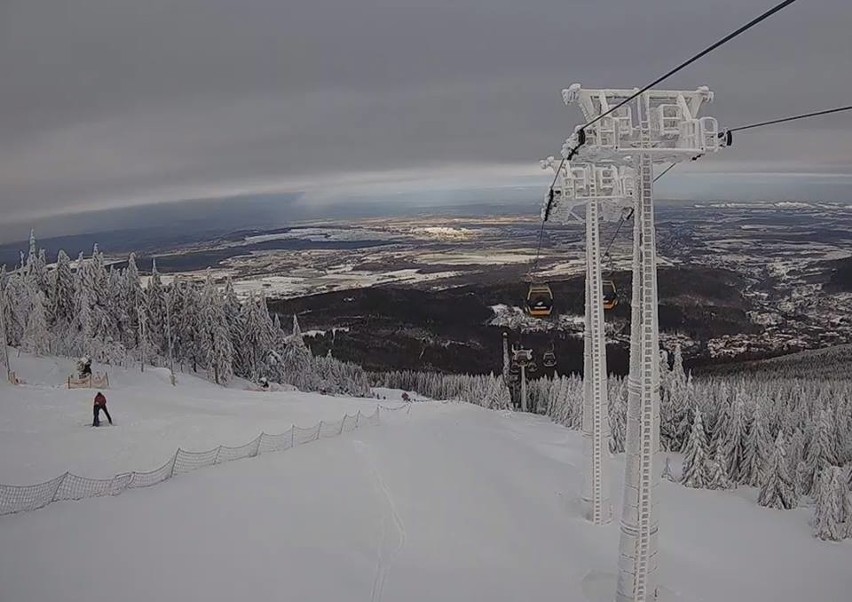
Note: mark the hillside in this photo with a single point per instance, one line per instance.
(451, 330)
(452, 502)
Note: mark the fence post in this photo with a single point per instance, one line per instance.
(378, 415)
(55, 491)
(319, 430)
(218, 451)
(342, 424)
(256, 451)
(293, 435)
(357, 418)
(174, 461)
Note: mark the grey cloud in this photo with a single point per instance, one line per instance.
(110, 102)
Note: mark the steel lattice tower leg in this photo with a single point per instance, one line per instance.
(595, 495)
(637, 562)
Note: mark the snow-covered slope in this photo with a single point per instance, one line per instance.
(45, 428)
(451, 502)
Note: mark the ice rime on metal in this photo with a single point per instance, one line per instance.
(657, 126)
(603, 190)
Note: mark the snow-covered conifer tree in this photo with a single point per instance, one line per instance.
(695, 455)
(777, 488)
(818, 454)
(717, 477)
(733, 442)
(756, 451)
(36, 338)
(62, 293)
(217, 349)
(831, 505)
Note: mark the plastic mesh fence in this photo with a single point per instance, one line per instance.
(158, 475)
(188, 461)
(275, 443)
(331, 429)
(21, 498)
(28, 497)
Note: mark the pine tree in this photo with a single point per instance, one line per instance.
(36, 336)
(695, 455)
(733, 443)
(831, 507)
(777, 489)
(217, 349)
(62, 295)
(155, 310)
(755, 452)
(717, 477)
(817, 457)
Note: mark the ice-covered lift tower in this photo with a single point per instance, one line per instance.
(604, 190)
(657, 126)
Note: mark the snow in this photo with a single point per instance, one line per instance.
(317, 333)
(452, 502)
(44, 427)
(339, 279)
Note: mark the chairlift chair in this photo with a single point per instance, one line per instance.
(548, 359)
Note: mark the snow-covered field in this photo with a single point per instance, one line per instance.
(451, 502)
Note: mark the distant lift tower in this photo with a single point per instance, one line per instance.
(657, 126)
(604, 190)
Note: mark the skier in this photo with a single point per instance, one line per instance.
(100, 404)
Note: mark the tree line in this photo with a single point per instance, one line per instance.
(114, 316)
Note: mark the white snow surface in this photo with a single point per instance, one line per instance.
(45, 429)
(452, 503)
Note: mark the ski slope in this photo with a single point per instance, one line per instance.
(452, 503)
(45, 429)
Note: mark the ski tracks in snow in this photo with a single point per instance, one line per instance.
(389, 545)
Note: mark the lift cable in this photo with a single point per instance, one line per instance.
(581, 133)
(727, 133)
(786, 119)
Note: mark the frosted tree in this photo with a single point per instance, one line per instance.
(62, 292)
(36, 338)
(155, 310)
(818, 454)
(716, 476)
(217, 348)
(35, 267)
(695, 455)
(777, 488)
(618, 424)
(795, 450)
(732, 443)
(255, 340)
(831, 518)
(756, 451)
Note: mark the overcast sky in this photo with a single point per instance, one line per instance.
(110, 103)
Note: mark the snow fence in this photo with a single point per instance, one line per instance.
(68, 486)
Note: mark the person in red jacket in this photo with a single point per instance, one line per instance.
(100, 404)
